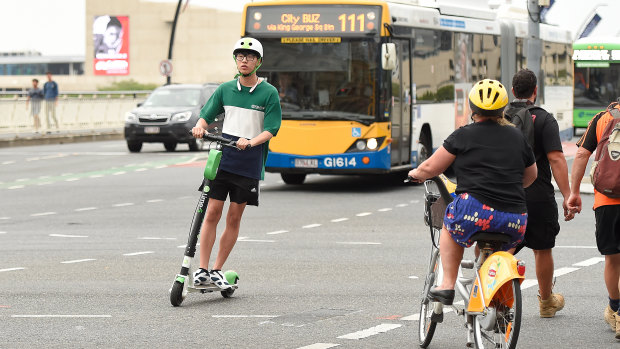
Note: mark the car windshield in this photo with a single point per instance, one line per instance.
(318, 81)
(173, 98)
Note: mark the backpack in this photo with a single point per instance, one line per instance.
(523, 119)
(605, 172)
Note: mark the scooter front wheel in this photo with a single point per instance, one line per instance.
(176, 294)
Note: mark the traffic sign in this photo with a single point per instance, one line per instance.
(165, 67)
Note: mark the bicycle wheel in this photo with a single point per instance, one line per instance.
(427, 325)
(500, 327)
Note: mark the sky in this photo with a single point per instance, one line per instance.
(57, 27)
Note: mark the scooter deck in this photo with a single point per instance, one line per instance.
(208, 288)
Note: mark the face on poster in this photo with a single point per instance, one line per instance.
(111, 43)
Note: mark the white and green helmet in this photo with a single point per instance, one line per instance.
(249, 44)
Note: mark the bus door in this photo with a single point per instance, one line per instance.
(401, 105)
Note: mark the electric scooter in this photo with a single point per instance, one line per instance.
(183, 283)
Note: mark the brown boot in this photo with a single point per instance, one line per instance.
(610, 317)
(548, 307)
(617, 326)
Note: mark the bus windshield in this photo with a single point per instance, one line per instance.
(596, 87)
(324, 81)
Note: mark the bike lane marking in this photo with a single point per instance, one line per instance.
(370, 331)
(319, 346)
(11, 269)
(67, 236)
(78, 261)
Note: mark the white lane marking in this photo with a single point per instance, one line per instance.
(154, 200)
(141, 169)
(67, 236)
(155, 238)
(16, 187)
(118, 173)
(243, 238)
(340, 220)
(21, 179)
(96, 176)
(42, 214)
(385, 209)
(358, 243)
(370, 331)
(575, 247)
(311, 226)
(11, 269)
(85, 209)
(413, 277)
(71, 179)
(414, 317)
(564, 271)
(8, 162)
(161, 166)
(402, 205)
(185, 197)
(527, 283)
(589, 262)
(137, 253)
(62, 316)
(364, 214)
(78, 261)
(44, 183)
(2, 232)
(277, 232)
(123, 204)
(244, 316)
(414, 201)
(319, 346)
(4, 218)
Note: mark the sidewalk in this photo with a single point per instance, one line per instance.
(58, 137)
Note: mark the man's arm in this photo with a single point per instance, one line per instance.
(559, 168)
(579, 168)
(260, 139)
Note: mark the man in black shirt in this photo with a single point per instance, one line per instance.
(542, 225)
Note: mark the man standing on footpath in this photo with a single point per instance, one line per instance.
(50, 91)
(542, 225)
(606, 214)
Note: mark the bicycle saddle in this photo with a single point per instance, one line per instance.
(491, 237)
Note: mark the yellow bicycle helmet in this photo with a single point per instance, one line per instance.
(488, 98)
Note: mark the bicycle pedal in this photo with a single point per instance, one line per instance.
(466, 281)
(467, 264)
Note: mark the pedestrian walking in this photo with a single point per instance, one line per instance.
(50, 91)
(606, 207)
(35, 96)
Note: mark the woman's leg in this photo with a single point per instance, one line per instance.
(451, 254)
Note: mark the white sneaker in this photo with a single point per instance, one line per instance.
(218, 278)
(201, 277)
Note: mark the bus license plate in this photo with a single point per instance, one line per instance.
(151, 130)
(308, 163)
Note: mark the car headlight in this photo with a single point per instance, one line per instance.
(131, 118)
(181, 117)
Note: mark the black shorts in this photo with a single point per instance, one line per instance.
(241, 189)
(608, 229)
(542, 225)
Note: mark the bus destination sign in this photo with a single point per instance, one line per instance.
(313, 20)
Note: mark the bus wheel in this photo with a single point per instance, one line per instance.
(293, 178)
(424, 148)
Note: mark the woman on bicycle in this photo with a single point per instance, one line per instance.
(493, 163)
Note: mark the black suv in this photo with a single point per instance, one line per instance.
(168, 115)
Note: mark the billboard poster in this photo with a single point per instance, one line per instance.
(111, 44)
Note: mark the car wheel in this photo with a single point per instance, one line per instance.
(134, 146)
(170, 146)
(194, 145)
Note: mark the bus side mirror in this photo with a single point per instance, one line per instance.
(388, 56)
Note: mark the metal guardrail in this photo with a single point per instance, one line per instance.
(75, 111)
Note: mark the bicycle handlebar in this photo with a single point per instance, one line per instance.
(440, 185)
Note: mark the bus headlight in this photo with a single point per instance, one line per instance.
(360, 144)
(372, 144)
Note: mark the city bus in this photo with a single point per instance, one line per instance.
(371, 87)
(597, 77)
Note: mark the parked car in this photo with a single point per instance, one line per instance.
(168, 115)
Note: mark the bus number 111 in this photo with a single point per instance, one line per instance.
(343, 21)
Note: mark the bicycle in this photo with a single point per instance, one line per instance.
(492, 303)
(180, 286)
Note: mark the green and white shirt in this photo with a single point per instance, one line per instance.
(246, 114)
